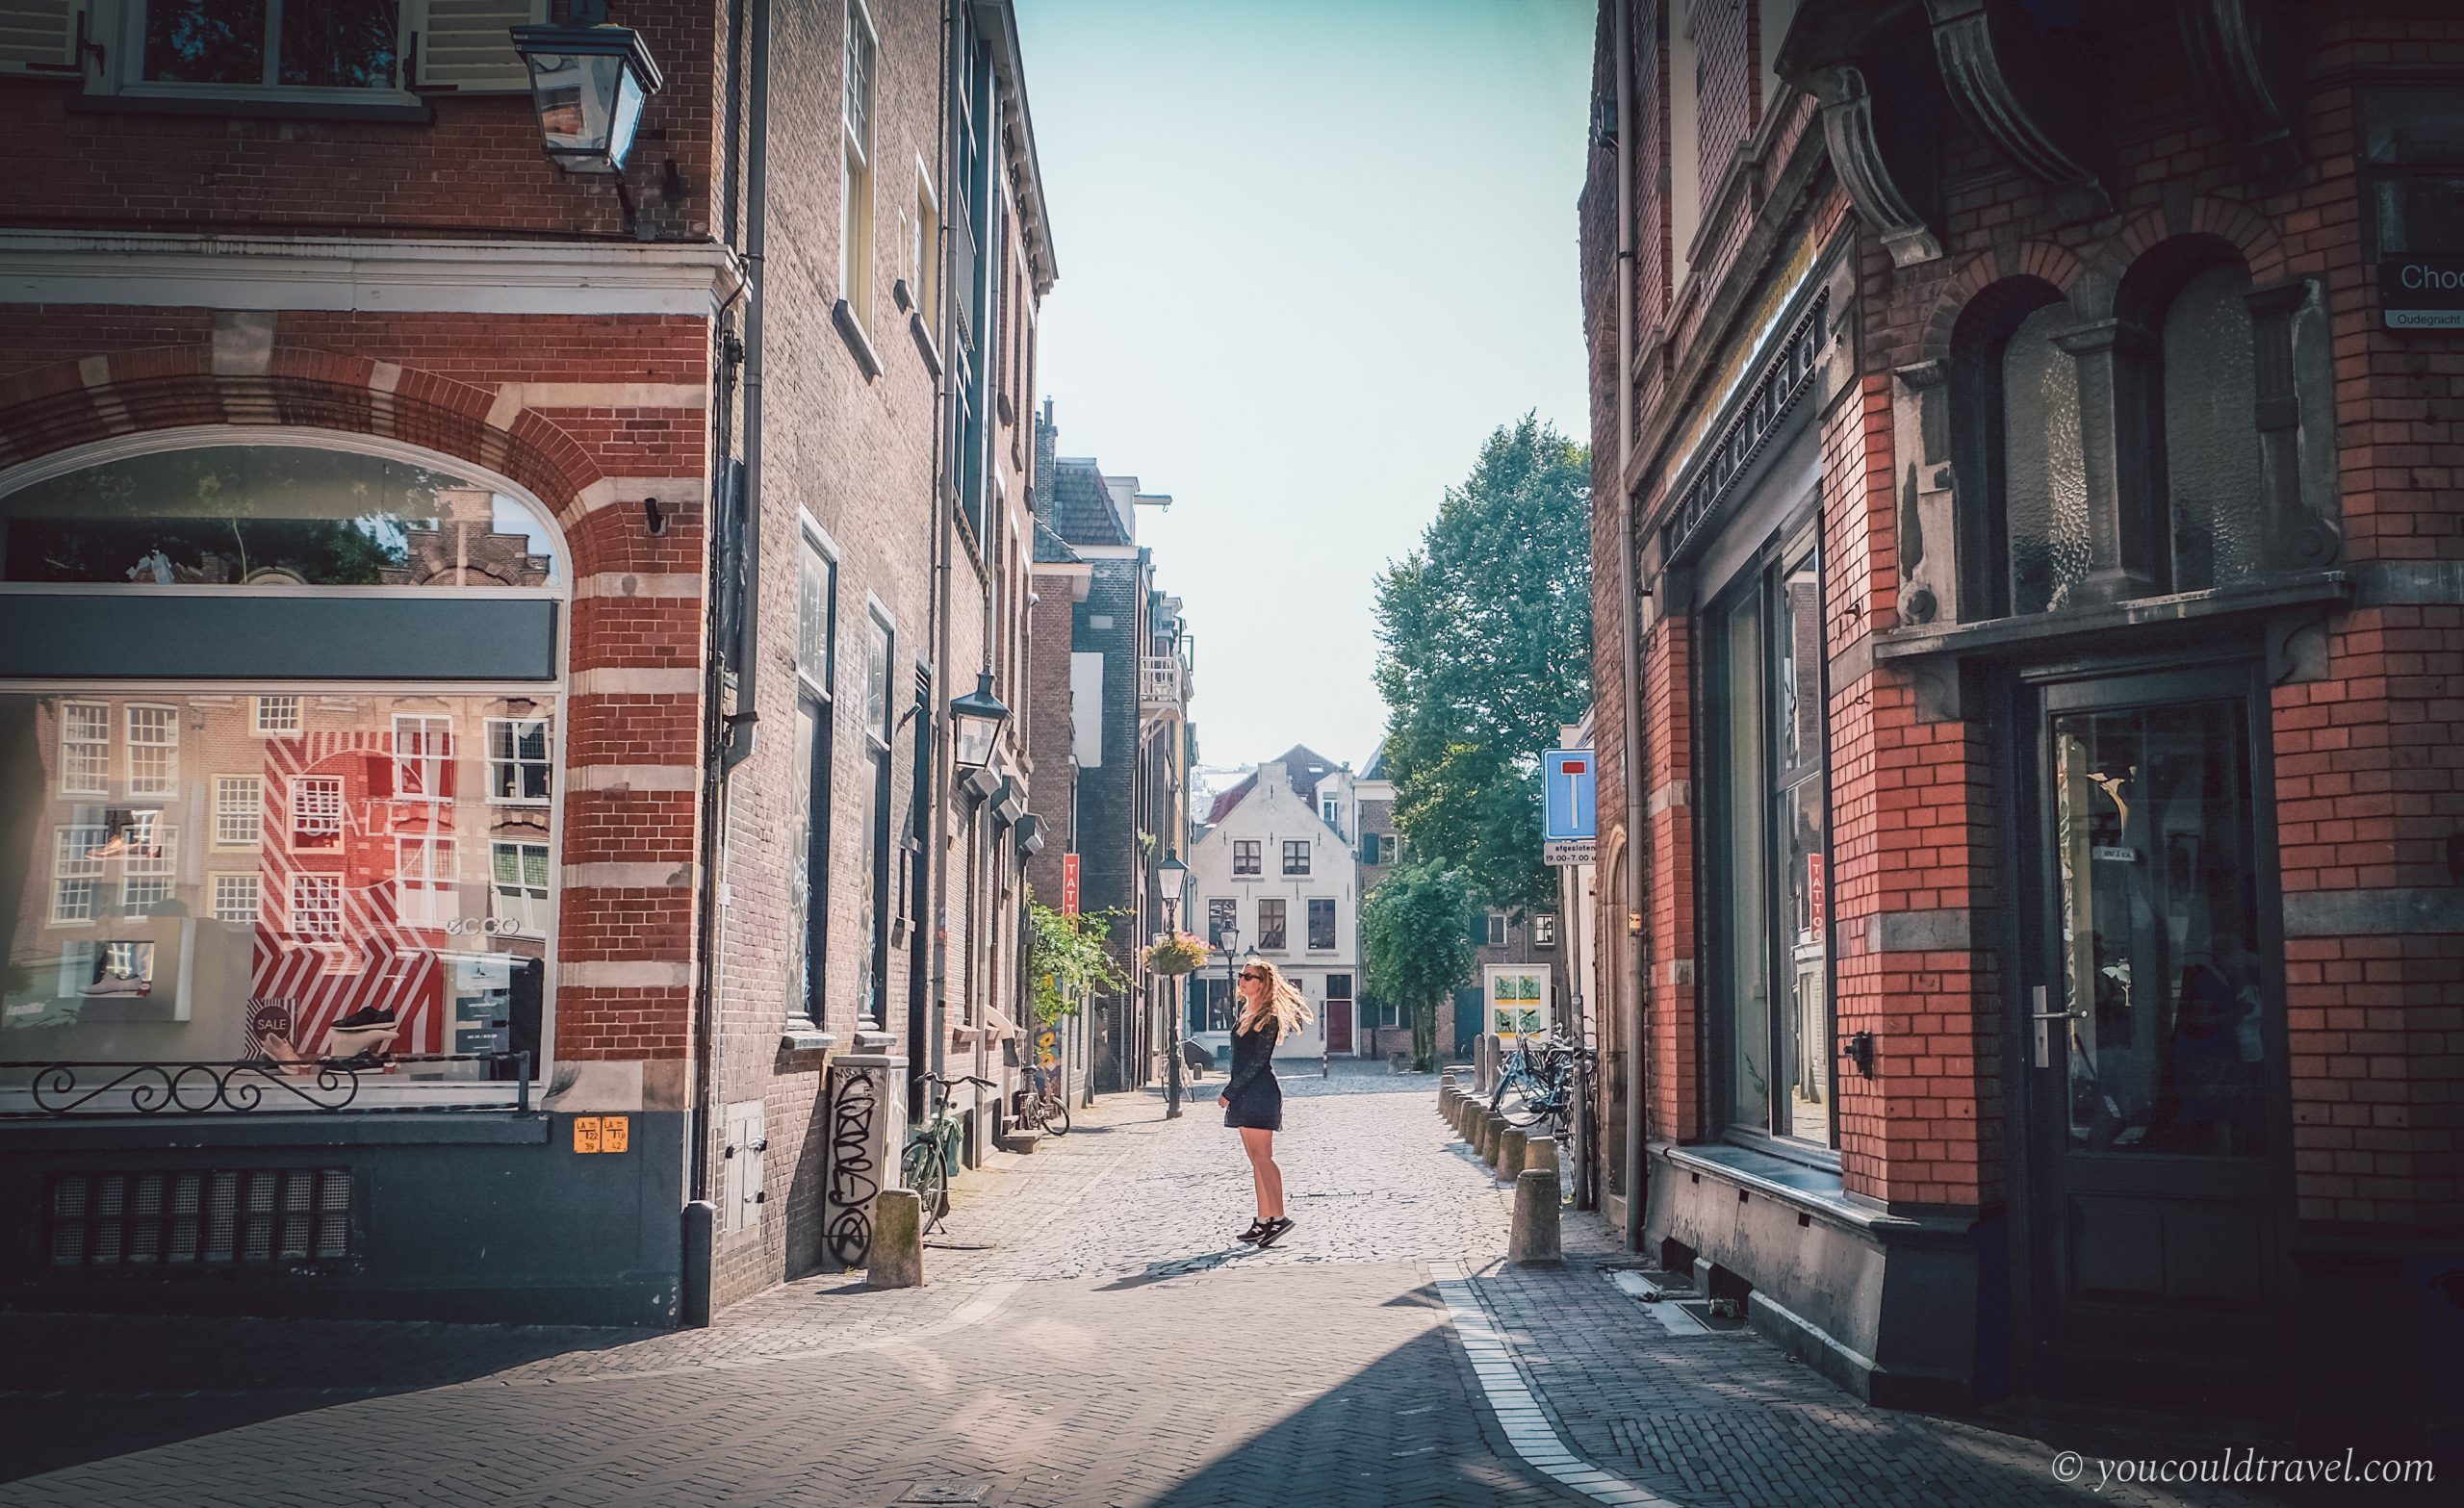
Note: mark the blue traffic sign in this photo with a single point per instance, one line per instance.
(1569, 799)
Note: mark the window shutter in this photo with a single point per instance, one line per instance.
(38, 37)
(1479, 931)
(467, 47)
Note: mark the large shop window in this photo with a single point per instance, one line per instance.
(244, 862)
(1767, 764)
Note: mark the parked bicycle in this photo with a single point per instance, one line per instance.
(1547, 1080)
(1043, 1105)
(931, 1157)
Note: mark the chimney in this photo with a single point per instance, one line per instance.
(1047, 444)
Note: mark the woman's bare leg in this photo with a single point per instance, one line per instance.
(1260, 1146)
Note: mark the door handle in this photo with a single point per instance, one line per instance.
(2044, 1034)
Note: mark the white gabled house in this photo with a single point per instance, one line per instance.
(1277, 861)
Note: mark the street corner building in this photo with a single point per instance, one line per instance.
(494, 517)
(2031, 861)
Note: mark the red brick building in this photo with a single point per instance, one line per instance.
(572, 574)
(2028, 646)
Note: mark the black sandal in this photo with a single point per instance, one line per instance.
(1276, 1230)
(1257, 1228)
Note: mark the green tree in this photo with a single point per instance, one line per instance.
(1066, 960)
(1416, 941)
(1484, 636)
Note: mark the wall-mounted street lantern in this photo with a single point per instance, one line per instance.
(589, 83)
(976, 720)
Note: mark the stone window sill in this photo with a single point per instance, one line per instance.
(2037, 630)
(805, 1039)
(342, 1129)
(852, 330)
(393, 110)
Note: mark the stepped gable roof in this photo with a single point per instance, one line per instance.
(1080, 508)
(1051, 550)
(1307, 766)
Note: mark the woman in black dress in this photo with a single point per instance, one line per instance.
(1270, 1010)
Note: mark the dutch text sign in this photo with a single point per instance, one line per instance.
(1568, 805)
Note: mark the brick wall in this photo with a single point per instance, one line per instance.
(474, 168)
(2366, 790)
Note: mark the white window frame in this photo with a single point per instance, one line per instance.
(1334, 924)
(242, 825)
(925, 247)
(530, 911)
(70, 761)
(154, 870)
(167, 781)
(859, 122)
(426, 868)
(323, 888)
(300, 813)
(262, 727)
(127, 66)
(76, 862)
(223, 912)
(514, 757)
(428, 762)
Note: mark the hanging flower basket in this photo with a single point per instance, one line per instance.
(1180, 953)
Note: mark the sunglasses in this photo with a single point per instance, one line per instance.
(1252, 974)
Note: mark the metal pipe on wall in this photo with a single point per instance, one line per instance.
(1630, 609)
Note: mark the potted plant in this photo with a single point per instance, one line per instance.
(1176, 953)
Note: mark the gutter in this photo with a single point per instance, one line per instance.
(1630, 609)
(720, 751)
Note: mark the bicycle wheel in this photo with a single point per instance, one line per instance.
(1532, 1112)
(922, 1170)
(1056, 1115)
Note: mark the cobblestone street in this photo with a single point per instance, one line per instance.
(1091, 1335)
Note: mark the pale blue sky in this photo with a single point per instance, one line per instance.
(1312, 252)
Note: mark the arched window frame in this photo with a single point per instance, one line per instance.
(558, 592)
(1978, 342)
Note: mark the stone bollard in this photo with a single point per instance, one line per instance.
(1541, 1153)
(1446, 1095)
(1493, 1133)
(1533, 1241)
(1509, 1159)
(898, 1240)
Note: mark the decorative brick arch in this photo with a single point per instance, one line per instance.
(2043, 261)
(2228, 221)
(66, 404)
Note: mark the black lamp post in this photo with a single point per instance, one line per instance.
(1230, 940)
(1171, 875)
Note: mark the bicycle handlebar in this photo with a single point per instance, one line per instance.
(930, 1077)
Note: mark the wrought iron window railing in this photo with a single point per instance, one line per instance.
(58, 1090)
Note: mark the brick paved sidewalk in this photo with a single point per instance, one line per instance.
(1092, 1337)
(1723, 1418)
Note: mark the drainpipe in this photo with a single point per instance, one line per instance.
(740, 361)
(945, 547)
(1630, 609)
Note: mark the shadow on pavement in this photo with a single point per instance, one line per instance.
(79, 1388)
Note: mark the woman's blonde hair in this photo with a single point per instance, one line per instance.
(1284, 1002)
